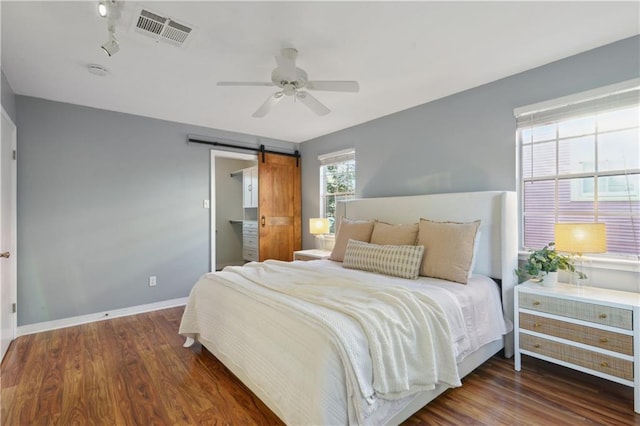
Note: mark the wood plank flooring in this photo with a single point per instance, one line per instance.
(134, 371)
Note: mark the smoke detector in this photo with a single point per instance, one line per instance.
(98, 70)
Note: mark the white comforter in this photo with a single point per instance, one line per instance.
(380, 361)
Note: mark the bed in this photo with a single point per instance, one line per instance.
(314, 361)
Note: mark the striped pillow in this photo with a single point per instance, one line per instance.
(397, 261)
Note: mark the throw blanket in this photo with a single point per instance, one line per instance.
(410, 342)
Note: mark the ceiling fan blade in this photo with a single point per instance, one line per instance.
(269, 103)
(244, 83)
(334, 86)
(312, 103)
(287, 63)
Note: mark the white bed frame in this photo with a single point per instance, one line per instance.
(498, 251)
(497, 257)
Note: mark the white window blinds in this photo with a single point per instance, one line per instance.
(337, 157)
(337, 182)
(580, 162)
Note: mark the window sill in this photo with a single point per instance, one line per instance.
(614, 264)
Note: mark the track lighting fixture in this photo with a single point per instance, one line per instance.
(112, 46)
(110, 9)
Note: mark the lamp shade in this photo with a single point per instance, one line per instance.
(319, 226)
(581, 237)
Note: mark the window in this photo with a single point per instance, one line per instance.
(337, 182)
(580, 162)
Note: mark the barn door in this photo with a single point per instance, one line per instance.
(279, 207)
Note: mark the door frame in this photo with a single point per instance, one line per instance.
(216, 153)
(12, 261)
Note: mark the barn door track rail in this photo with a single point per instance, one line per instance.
(261, 149)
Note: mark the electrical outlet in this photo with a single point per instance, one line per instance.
(152, 281)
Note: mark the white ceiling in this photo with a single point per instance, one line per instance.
(402, 54)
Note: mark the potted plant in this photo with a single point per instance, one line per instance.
(544, 264)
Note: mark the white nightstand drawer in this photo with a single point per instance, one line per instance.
(585, 358)
(599, 314)
(609, 340)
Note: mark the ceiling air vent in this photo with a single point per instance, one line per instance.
(161, 28)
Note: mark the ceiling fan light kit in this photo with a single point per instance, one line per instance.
(292, 80)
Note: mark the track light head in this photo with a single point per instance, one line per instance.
(112, 46)
(102, 9)
(109, 9)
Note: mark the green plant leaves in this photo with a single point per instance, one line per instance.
(547, 259)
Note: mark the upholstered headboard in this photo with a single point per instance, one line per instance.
(497, 210)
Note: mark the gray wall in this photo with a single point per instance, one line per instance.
(106, 200)
(464, 142)
(8, 98)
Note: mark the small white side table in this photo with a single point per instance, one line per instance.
(312, 254)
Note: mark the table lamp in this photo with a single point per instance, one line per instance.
(319, 227)
(581, 238)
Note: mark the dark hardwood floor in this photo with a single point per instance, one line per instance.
(134, 371)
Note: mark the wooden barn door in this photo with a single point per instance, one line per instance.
(280, 206)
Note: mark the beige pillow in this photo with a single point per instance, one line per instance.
(397, 261)
(395, 235)
(359, 230)
(448, 249)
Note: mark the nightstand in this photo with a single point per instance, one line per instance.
(589, 329)
(313, 254)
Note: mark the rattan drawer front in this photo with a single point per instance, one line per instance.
(582, 357)
(606, 315)
(609, 340)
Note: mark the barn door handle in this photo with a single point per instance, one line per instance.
(262, 221)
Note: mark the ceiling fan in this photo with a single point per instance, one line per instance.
(292, 80)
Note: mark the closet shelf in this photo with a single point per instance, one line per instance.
(235, 221)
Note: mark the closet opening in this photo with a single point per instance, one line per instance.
(233, 208)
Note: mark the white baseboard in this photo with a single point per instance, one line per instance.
(98, 316)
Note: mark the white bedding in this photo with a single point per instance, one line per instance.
(311, 364)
